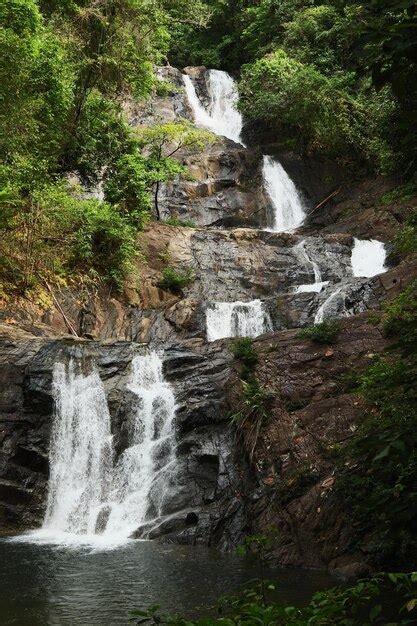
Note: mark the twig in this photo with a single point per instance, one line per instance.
(332, 195)
(66, 320)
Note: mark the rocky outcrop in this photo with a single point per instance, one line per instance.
(224, 266)
(312, 417)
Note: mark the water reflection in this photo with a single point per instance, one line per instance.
(46, 586)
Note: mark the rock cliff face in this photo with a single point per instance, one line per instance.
(228, 258)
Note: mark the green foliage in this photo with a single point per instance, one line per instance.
(402, 193)
(54, 235)
(363, 603)
(127, 185)
(176, 221)
(311, 111)
(64, 70)
(406, 240)
(386, 48)
(101, 137)
(175, 280)
(326, 332)
(378, 472)
(244, 350)
(252, 413)
(256, 401)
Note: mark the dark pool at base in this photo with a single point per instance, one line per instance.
(49, 586)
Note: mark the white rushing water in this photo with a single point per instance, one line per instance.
(92, 498)
(236, 319)
(81, 453)
(143, 472)
(333, 306)
(288, 212)
(318, 284)
(221, 116)
(368, 258)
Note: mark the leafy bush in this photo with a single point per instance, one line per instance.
(176, 221)
(54, 234)
(312, 111)
(252, 413)
(406, 240)
(175, 280)
(243, 349)
(364, 603)
(326, 332)
(127, 185)
(378, 471)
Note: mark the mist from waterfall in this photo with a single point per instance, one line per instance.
(221, 115)
(288, 212)
(236, 319)
(94, 498)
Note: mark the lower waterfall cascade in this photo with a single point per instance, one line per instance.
(92, 496)
(81, 452)
(144, 471)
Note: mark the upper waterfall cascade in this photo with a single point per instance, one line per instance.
(222, 117)
(92, 496)
(288, 212)
(236, 319)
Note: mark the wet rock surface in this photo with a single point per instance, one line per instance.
(207, 475)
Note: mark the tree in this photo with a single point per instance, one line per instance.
(161, 142)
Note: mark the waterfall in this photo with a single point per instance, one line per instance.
(288, 212)
(93, 498)
(144, 471)
(368, 258)
(81, 453)
(318, 284)
(236, 319)
(330, 307)
(221, 116)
